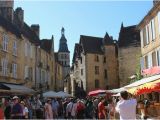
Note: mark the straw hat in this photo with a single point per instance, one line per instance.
(15, 97)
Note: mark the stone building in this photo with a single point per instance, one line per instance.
(22, 51)
(94, 64)
(59, 81)
(129, 53)
(150, 46)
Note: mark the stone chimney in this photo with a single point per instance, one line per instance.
(6, 9)
(35, 28)
(19, 16)
(155, 2)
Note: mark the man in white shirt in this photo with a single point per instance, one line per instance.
(69, 109)
(126, 107)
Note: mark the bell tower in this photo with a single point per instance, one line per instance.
(64, 53)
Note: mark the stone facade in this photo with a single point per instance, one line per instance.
(24, 58)
(94, 64)
(129, 53)
(150, 31)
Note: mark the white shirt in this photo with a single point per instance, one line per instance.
(69, 107)
(127, 109)
(74, 110)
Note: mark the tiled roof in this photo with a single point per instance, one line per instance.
(129, 36)
(46, 44)
(9, 26)
(19, 30)
(91, 44)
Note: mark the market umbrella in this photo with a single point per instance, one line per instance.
(96, 92)
(63, 94)
(50, 94)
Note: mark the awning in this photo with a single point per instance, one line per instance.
(96, 92)
(133, 86)
(50, 94)
(143, 81)
(146, 88)
(16, 88)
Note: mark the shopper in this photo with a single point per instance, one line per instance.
(102, 114)
(126, 107)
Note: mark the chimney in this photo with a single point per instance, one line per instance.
(155, 2)
(19, 15)
(6, 9)
(35, 28)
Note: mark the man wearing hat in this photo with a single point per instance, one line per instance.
(17, 111)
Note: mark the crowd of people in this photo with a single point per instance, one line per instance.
(68, 108)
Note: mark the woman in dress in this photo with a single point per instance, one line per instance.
(48, 110)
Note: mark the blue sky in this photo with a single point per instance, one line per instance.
(93, 18)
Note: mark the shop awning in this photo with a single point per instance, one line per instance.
(16, 88)
(143, 81)
(146, 88)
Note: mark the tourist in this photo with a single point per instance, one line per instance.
(55, 106)
(25, 110)
(1, 112)
(80, 109)
(16, 112)
(48, 110)
(126, 107)
(74, 109)
(69, 109)
(111, 109)
(38, 105)
(102, 114)
(7, 111)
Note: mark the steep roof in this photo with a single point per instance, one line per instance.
(107, 40)
(46, 44)
(129, 36)
(77, 51)
(6, 24)
(91, 44)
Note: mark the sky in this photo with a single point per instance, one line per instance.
(90, 17)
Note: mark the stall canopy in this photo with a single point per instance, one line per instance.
(16, 88)
(50, 94)
(63, 94)
(96, 92)
(133, 87)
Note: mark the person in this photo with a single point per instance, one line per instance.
(69, 109)
(16, 111)
(101, 109)
(7, 111)
(48, 110)
(66, 101)
(80, 109)
(38, 105)
(55, 106)
(74, 109)
(95, 105)
(126, 107)
(25, 110)
(1, 112)
(111, 109)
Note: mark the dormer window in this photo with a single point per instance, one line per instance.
(96, 58)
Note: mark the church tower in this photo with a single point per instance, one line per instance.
(64, 53)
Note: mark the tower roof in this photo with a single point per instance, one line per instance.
(63, 47)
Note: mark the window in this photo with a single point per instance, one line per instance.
(81, 60)
(81, 71)
(4, 67)
(25, 46)
(104, 60)
(154, 58)
(150, 64)
(146, 62)
(96, 58)
(96, 83)
(147, 34)
(152, 29)
(28, 50)
(30, 73)
(5, 42)
(14, 69)
(96, 70)
(158, 57)
(142, 62)
(159, 21)
(15, 48)
(26, 72)
(105, 74)
(61, 56)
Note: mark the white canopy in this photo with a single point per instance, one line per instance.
(63, 94)
(50, 94)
